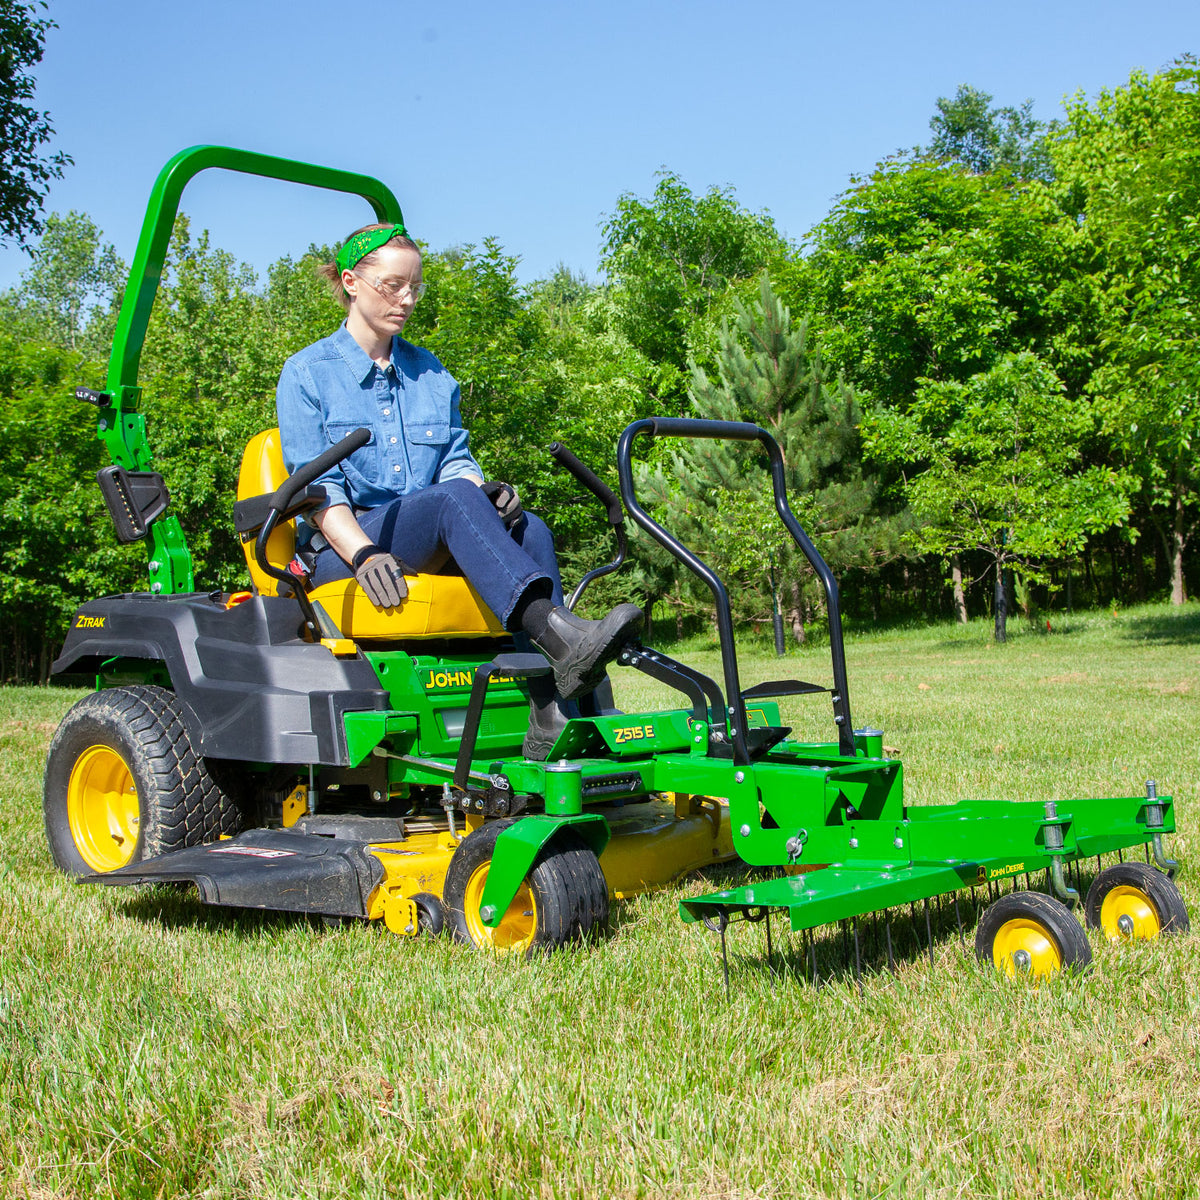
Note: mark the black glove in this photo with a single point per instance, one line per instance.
(380, 575)
(504, 497)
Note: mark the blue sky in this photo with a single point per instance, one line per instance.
(525, 121)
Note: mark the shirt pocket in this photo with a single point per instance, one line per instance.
(427, 441)
(363, 469)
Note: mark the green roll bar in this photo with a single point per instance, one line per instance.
(122, 428)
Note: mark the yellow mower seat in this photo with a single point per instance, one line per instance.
(436, 605)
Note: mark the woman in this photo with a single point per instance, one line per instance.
(414, 496)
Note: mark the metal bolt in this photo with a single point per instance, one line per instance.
(103, 424)
(377, 795)
(740, 777)
(1021, 960)
(155, 566)
(156, 588)
(744, 831)
(487, 912)
(1125, 925)
(899, 843)
(479, 805)
(854, 843)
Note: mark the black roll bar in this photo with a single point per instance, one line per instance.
(687, 427)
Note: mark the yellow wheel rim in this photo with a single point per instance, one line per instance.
(1022, 946)
(102, 809)
(1127, 914)
(518, 925)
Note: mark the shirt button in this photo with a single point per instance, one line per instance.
(396, 467)
(393, 441)
(429, 433)
(387, 412)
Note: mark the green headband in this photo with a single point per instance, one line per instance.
(361, 244)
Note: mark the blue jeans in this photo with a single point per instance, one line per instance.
(456, 516)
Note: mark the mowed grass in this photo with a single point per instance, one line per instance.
(152, 1047)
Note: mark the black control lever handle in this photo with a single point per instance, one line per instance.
(319, 465)
(591, 481)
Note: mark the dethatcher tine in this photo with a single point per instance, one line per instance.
(299, 750)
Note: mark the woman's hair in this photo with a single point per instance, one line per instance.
(332, 274)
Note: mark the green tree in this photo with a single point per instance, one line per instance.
(25, 169)
(1129, 169)
(967, 129)
(74, 281)
(1002, 471)
(672, 261)
(927, 271)
(56, 539)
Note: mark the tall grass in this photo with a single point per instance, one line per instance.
(152, 1047)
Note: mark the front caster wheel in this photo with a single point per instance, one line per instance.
(1029, 933)
(562, 899)
(431, 916)
(1132, 900)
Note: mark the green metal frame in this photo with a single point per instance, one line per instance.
(122, 428)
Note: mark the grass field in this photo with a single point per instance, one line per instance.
(150, 1047)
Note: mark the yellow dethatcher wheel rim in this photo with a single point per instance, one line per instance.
(518, 925)
(102, 809)
(1025, 946)
(1126, 913)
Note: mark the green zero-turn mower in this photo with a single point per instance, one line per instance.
(297, 749)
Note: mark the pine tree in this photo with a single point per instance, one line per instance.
(717, 495)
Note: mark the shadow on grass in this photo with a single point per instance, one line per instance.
(178, 906)
(1178, 627)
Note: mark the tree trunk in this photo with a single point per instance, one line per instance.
(648, 619)
(1178, 542)
(1089, 572)
(796, 614)
(960, 599)
(1001, 606)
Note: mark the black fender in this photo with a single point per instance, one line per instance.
(251, 688)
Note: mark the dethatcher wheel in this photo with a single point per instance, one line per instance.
(1029, 933)
(562, 899)
(123, 783)
(1132, 900)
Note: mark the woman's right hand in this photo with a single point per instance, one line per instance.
(381, 576)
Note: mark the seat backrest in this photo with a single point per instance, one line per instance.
(262, 472)
(437, 606)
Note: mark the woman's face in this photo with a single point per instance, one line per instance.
(384, 291)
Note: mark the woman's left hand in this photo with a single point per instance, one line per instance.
(504, 497)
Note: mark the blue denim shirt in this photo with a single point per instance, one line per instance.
(411, 408)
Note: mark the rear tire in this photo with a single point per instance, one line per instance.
(563, 899)
(123, 783)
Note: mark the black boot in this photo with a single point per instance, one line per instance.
(548, 717)
(579, 650)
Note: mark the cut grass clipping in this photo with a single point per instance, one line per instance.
(151, 1047)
